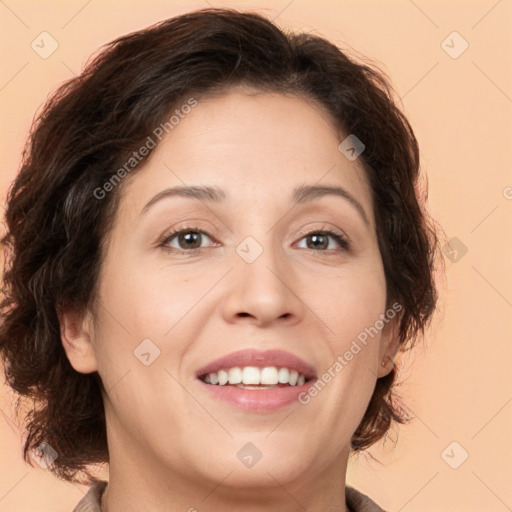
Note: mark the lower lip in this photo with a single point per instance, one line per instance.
(257, 400)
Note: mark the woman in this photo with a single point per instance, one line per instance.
(239, 373)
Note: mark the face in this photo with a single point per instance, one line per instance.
(256, 266)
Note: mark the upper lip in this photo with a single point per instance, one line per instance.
(260, 359)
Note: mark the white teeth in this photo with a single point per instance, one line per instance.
(223, 377)
(283, 376)
(234, 375)
(252, 375)
(269, 375)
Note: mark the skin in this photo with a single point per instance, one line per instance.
(172, 446)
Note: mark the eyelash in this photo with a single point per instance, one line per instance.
(167, 237)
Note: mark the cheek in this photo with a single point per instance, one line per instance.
(361, 306)
(147, 300)
(352, 302)
(148, 310)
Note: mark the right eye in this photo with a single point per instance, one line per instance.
(188, 240)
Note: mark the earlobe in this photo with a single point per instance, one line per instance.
(390, 342)
(76, 333)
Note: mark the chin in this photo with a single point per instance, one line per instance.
(249, 466)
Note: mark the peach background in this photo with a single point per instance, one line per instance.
(459, 387)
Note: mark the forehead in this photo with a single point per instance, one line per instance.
(256, 145)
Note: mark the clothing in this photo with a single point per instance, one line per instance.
(91, 502)
(356, 500)
(359, 502)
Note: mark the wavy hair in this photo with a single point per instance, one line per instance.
(57, 227)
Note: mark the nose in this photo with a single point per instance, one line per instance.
(263, 291)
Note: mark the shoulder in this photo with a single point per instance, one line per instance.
(91, 502)
(359, 502)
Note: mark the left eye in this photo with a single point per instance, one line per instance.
(320, 240)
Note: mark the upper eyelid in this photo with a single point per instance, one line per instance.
(327, 229)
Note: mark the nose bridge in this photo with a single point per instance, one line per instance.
(261, 281)
(260, 261)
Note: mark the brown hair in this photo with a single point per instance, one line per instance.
(57, 227)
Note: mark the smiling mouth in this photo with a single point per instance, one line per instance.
(252, 377)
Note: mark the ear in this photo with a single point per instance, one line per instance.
(76, 333)
(389, 344)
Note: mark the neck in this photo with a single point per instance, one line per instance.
(154, 478)
(138, 483)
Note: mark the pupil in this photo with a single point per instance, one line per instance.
(315, 238)
(190, 237)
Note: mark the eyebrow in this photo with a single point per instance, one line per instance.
(302, 194)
